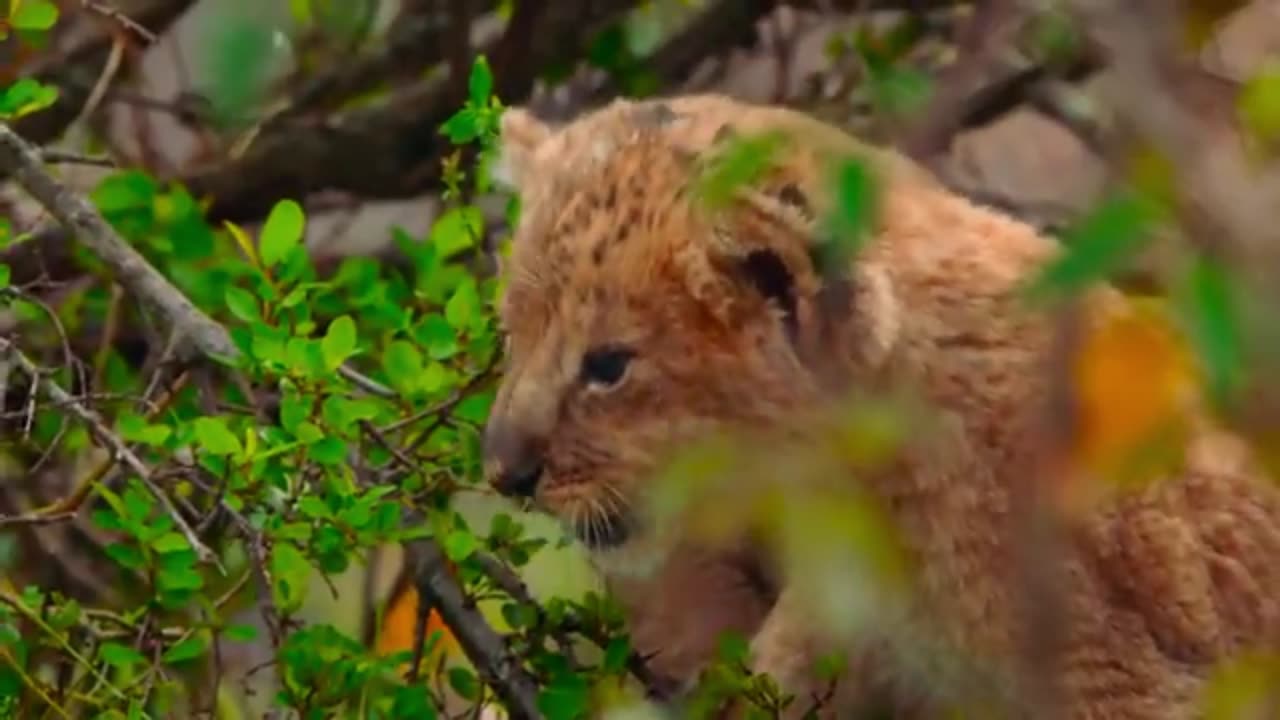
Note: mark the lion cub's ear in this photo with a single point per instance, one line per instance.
(519, 136)
(761, 248)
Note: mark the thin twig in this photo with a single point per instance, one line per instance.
(119, 449)
(105, 79)
(119, 17)
(63, 157)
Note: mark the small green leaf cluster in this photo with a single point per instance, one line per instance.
(30, 21)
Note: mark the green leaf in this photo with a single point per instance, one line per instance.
(308, 432)
(26, 96)
(137, 502)
(134, 428)
(459, 544)
(170, 542)
(305, 357)
(240, 633)
(733, 648)
(242, 304)
(180, 579)
(215, 438)
(328, 450)
(854, 213)
(1210, 308)
(464, 682)
(616, 654)
(463, 127)
(290, 573)
(413, 701)
(313, 506)
(434, 375)
(65, 616)
(462, 307)
(435, 333)
(340, 413)
(237, 52)
(1097, 246)
(34, 15)
(899, 90)
(4, 276)
(738, 163)
(567, 697)
(128, 190)
(403, 365)
(339, 342)
(480, 84)
(189, 649)
(122, 656)
(126, 556)
(457, 229)
(294, 409)
(281, 233)
(1259, 102)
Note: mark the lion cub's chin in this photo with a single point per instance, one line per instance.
(641, 556)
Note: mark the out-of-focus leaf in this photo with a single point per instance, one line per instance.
(1259, 103)
(1097, 246)
(739, 162)
(1133, 381)
(1210, 312)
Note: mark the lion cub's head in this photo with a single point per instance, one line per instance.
(638, 316)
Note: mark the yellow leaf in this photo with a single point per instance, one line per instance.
(242, 239)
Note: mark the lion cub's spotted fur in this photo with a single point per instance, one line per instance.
(732, 324)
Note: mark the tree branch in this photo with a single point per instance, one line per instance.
(203, 336)
(486, 649)
(393, 149)
(982, 85)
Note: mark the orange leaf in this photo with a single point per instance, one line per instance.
(1133, 380)
(400, 618)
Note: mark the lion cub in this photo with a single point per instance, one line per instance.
(639, 321)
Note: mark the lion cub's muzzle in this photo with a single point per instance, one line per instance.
(513, 460)
(516, 467)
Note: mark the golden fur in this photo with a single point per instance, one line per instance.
(612, 250)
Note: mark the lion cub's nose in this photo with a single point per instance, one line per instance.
(513, 460)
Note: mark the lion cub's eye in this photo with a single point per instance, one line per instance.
(605, 366)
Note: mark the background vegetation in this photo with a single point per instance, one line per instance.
(247, 341)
